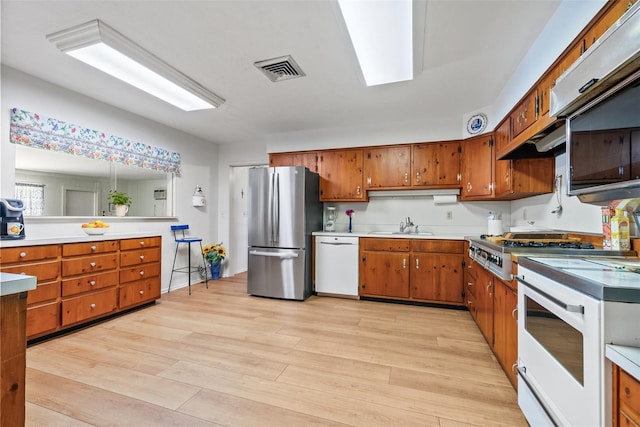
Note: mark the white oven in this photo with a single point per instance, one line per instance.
(563, 325)
(559, 353)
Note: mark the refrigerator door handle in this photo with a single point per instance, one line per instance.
(287, 255)
(271, 202)
(276, 213)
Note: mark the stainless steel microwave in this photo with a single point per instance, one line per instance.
(603, 146)
(599, 95)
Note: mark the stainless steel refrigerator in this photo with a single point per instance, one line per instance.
(284, 209)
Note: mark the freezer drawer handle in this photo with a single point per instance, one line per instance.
(275, 254)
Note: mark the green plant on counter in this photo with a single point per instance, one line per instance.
(119, 198)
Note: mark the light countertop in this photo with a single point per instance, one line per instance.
(393, 235)
(628, 358)
(15, 283)
(29, 241)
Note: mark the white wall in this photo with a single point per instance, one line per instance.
(199, 161)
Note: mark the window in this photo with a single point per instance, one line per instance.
(32, 196)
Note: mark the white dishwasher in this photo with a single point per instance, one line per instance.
(337, 266)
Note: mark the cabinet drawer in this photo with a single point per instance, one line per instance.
(137, 273)
(140, 256)
(44, 271)
(28, 253)
(629, 394)
(470, 302)
(393, 245)
(147, 242)
(44, 292)
(74, 249)
(43, 318)
(93, 282)
(139, 292)
(438, 246)
(85, 307)
(71, 267)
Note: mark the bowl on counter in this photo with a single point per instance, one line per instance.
(95, 231)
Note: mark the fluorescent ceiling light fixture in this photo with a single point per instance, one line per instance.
(381, 32)
(102, 47)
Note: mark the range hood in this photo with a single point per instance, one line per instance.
(440, 196)
(608, 61)
(547, 143)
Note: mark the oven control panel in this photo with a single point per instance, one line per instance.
(498, 262)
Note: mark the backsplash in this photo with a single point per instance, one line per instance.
(386, 213)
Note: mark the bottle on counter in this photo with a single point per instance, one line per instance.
(620, 238)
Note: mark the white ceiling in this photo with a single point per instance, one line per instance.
(470, 50)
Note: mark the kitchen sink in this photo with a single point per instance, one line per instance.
(388, 233)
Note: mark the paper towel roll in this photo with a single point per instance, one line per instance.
(495, 227)
(444, 199)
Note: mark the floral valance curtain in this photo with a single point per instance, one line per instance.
(33, 130)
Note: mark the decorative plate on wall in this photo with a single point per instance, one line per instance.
(476, 124)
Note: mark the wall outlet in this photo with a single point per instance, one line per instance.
(449, 215)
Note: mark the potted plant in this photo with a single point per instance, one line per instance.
(121, 201)
(214, 254)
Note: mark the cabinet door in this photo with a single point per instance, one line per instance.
(436, 277)
(280, 159)
(436, 164)
(503, 167)
(525, 114)
(484, 302)
(341, 175)
(384, 274)
(609, 150)
(477, 170)
(505, 328)
(387, 167)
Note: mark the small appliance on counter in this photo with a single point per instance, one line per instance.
(11, 219)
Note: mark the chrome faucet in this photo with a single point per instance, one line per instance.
(406, 226)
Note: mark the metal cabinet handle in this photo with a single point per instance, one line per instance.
(92, 283)
(141, 256)
(369, 180)
(92, 264)
(93, 248)
(404, 263)
(358, 190)
(469, 187)
(406, 177)
(142, 272)
(142, 243)
(417, 176)
(417, 263)
(92, 306)
(23, 254)
(513, 313)
(141, 292)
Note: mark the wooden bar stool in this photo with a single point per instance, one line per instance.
(180, 237)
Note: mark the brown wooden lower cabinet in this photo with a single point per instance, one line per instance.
(86, 307)
(80, 282)
(493, 305)
(505, 328)
(626, 399)
(412, 269)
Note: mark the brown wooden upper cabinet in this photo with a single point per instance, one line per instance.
(477, 168)
(304, 158)
(436, 164)
(387, 167)
(341, 177)
(525, 114)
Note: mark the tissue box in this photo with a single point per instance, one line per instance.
(607, 213)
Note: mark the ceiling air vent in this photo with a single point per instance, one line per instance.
(278, 69)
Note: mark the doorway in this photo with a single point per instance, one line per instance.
(238, 215)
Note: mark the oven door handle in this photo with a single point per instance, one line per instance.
(573, 308)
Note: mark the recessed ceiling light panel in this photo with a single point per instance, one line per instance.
(102, 47)
(382, 36)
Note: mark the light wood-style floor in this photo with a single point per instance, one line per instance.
(221, 357)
